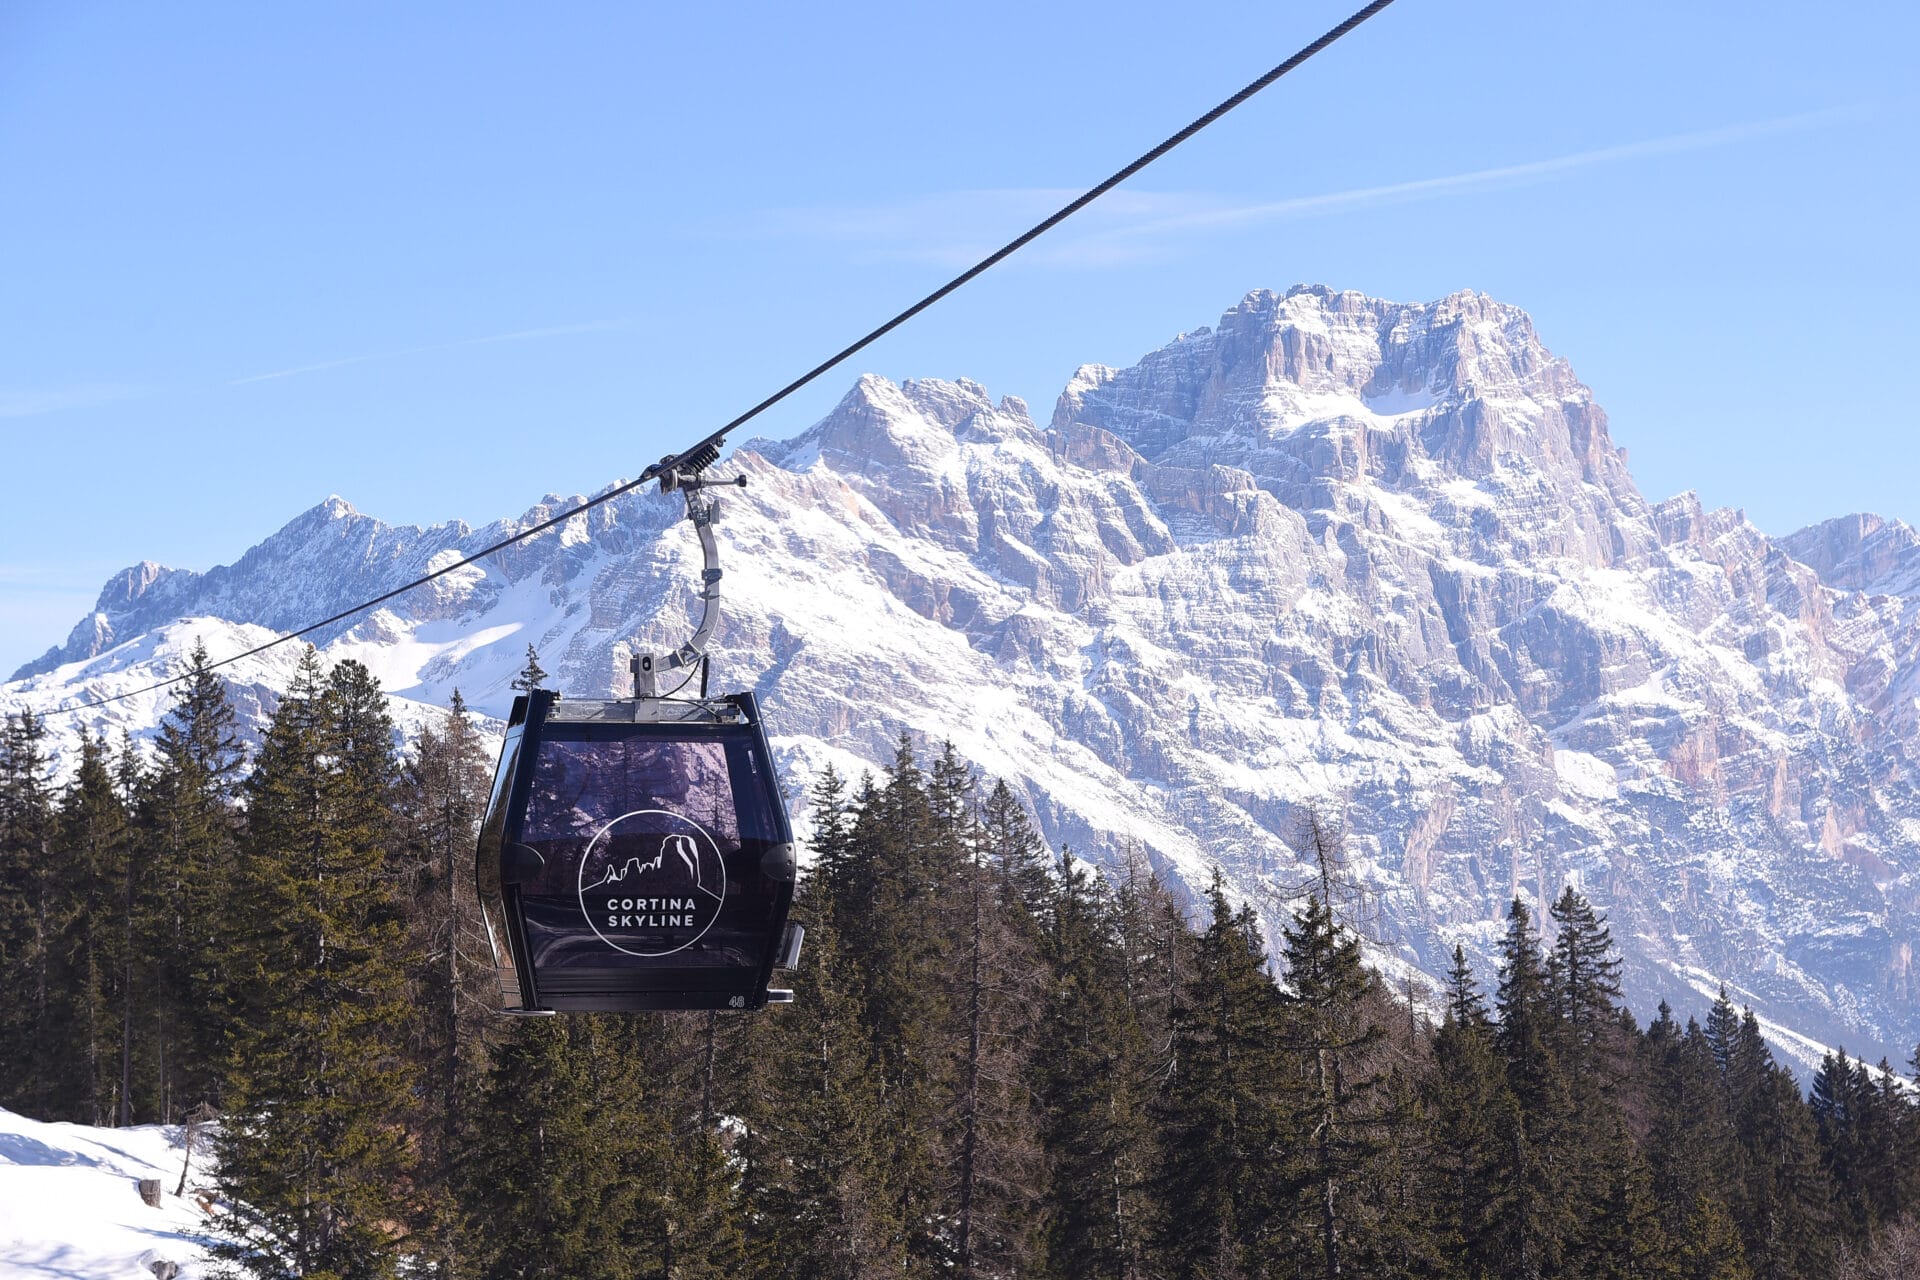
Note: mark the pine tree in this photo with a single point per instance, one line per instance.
(995, 995)
(443, 797)
(28, 900)
(901, 877)
(1583, 975)
(1222, 1154)
(1524, 1002)
(1861, 1118)
(1471, 1111)
(188, 826)
(1784, 1206)
(1405, 1228)
(1532, 1223)
(1017, 855)
(532, 676)
(690, 1222)
(1594, 1049)
(1336, 1093)
(1889, 1174)
(1838, 1101)
(702, 1237)
(1155, 955)
(1623, 1239)
(1690, 1146)
(1710, 1245)
(1465, 1005)
(1095, 1068)
(837, 875)
(318, 1083)
(86, 942)
(132, 991)
(818, 1145)
(906, 870)
(1770, 1175)
(563, 1181)
(1723, 1040)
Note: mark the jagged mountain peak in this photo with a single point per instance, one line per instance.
(1342, 406)
(908, 432)
(130, 584)
(1860, 552)
(955, 406)
(333, 510)
(288, 579)
(1458, 382)
(1326, 339)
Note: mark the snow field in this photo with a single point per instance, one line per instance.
(70, 1206)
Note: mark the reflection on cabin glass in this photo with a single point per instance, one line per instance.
(636, 838)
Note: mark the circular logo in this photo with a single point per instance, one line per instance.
(652, 882)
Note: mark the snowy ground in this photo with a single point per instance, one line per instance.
(70, 1204)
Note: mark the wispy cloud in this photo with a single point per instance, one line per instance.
(956, 228)
(1498, 177)
(32, 402)
(518, 335)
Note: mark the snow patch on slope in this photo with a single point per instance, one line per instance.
(70, 1204)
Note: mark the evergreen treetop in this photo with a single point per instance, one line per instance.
(1583, 972)
(1465, 1005)
(533, 675)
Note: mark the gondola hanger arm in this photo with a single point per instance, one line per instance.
(683, 473)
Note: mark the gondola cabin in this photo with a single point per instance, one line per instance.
(636, 855)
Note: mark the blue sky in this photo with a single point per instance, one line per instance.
(442, 259)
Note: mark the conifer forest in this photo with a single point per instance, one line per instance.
(999, 1062)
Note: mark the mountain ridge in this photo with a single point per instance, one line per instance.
(1330, 548)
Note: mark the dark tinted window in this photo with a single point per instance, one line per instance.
(644, 860)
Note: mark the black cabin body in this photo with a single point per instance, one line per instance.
(636, 855)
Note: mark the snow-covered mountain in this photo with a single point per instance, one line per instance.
(1334, 550)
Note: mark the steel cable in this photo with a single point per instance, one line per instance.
(712, 442)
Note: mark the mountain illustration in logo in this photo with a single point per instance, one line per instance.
(652, 882)
(683, 868)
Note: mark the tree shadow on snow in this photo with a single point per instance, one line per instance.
(17, 1148)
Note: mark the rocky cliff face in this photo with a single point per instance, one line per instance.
(1334, 551)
